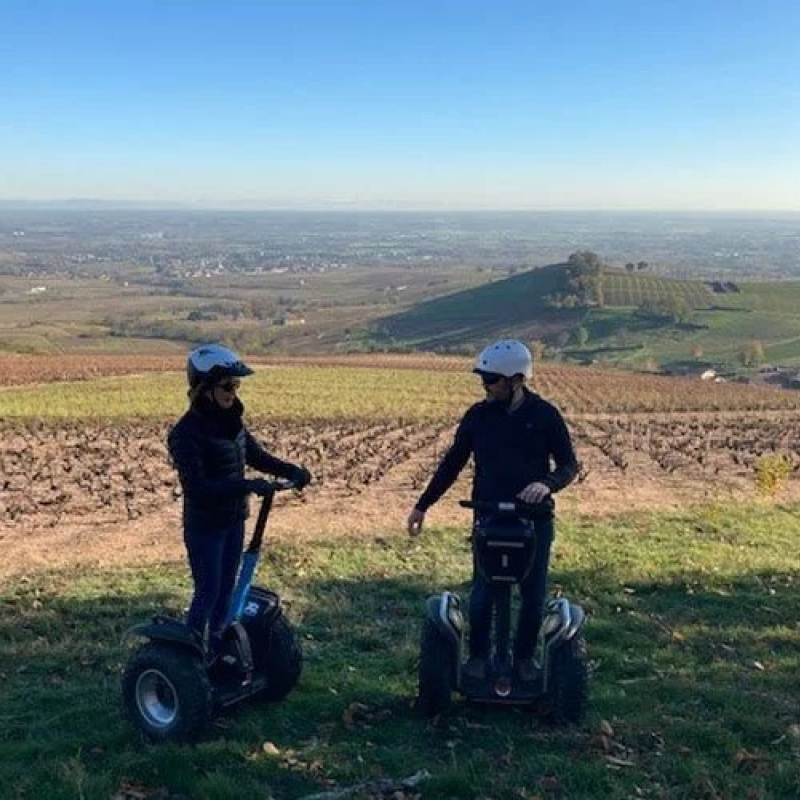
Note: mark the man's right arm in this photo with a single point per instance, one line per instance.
(449, 467)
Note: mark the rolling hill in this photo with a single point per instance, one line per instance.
(463, 320)
(636, 320)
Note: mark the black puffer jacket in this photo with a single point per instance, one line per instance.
(210, 449)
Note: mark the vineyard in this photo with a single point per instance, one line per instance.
(94, 449)
(632, 290)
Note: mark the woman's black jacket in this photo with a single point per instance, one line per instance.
(210, 449)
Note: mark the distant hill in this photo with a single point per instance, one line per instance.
(460, 321)
(629, 318)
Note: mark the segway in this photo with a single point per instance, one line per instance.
(173, 686)
(504, 544)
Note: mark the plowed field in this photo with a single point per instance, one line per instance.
(93, 491)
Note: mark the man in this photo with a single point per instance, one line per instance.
(521, 449)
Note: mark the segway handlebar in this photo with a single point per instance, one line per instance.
(267, 490)
(517, 507)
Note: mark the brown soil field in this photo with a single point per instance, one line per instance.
(95, 493)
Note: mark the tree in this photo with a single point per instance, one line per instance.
(580, 336)
(678, 308)
(697, 351)
(751, 353)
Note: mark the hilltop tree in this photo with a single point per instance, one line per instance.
(585, 262)
(584, 276)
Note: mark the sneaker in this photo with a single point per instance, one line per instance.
(526, 670)
(475, 668)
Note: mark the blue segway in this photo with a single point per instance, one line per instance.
(173, 686)
(504, 543)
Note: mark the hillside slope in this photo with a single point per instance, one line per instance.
(631, 319)
(460, 321)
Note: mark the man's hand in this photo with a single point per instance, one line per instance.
(534, 492)
(415, 520)
(301, 477)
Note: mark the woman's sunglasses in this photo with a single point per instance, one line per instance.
(228, 387)
(491, 378)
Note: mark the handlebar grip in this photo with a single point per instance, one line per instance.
(528, 510)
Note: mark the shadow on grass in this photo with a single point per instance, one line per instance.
(689, 671)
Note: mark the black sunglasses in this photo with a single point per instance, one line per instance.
(228, 387)
(491, 378)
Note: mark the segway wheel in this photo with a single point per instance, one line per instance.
(277, 656)
(569, 681)
(166, 692)
(437, 671)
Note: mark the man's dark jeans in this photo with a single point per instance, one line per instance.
(532, 589)
(214, 555)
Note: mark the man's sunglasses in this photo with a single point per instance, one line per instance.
(228, 387)
(491, 378)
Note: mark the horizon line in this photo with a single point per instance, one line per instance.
(148, 205)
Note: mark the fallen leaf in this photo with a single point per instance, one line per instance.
(619, 762)
(270, 749)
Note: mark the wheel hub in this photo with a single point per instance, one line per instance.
(156, 698)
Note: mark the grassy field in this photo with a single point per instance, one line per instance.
(692, 634)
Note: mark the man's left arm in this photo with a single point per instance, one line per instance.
(566, 466)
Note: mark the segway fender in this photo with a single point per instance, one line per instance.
(563, 622)
(444, 610)
(166, 629)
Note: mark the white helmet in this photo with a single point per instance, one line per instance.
(507, 357)
(211, 362)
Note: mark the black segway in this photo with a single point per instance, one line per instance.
(172, 686)
(504, 542)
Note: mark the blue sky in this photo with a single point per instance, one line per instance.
(603, 104)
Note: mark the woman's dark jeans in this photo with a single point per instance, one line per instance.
(214, 555)
(532, 595)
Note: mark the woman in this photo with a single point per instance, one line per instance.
(210, 447)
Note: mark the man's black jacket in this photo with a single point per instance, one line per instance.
(510, 450)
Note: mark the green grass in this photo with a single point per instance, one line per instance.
(692, 632)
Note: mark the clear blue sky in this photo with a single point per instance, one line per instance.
(590, 104)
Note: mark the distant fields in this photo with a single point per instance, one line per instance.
(399, 387)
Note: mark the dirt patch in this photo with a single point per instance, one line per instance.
(96, 493)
